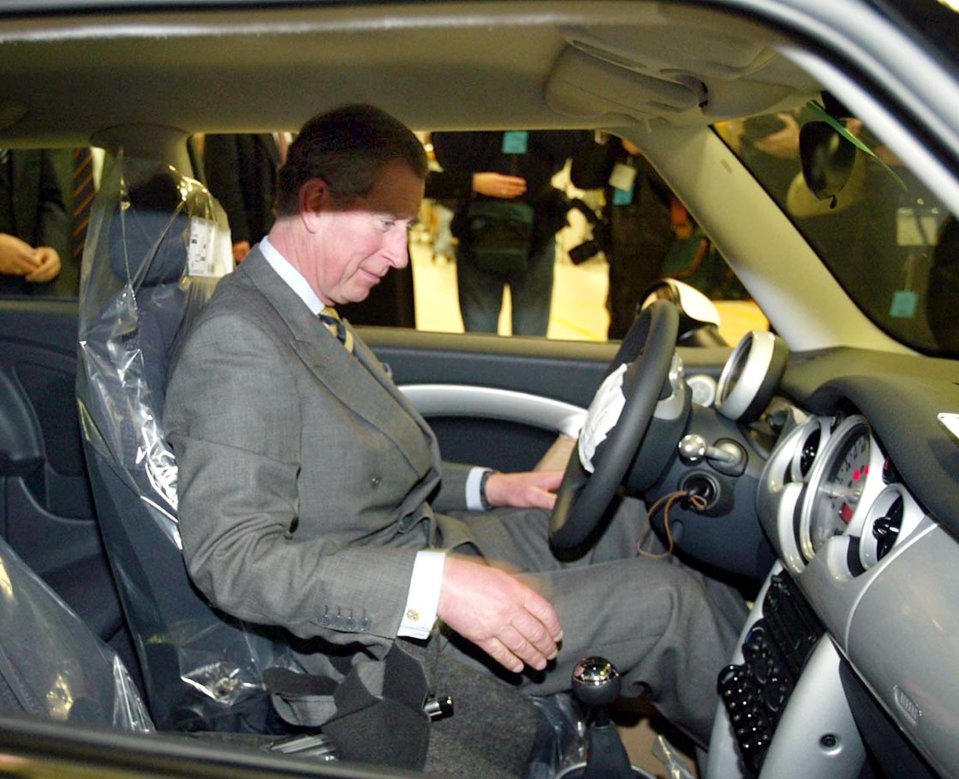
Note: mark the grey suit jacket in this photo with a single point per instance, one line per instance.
(307, 482)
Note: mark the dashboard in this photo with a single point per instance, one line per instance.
(858, 497)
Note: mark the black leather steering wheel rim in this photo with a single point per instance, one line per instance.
(583, 497)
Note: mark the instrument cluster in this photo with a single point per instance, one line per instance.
(829, 478)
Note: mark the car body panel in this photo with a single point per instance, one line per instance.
(142, 77)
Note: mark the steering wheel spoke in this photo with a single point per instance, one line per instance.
(616, 424)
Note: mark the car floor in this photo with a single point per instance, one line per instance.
(639, 726)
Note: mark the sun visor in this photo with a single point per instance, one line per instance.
(586, 87)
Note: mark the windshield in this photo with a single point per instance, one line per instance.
(888, 241)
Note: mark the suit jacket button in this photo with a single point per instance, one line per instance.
(350, 623)
(375, 482)
(324, 620)
(365, 623)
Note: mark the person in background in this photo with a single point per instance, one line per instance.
(638, 222)
(34, 225)
(526, 161)
(240, 171)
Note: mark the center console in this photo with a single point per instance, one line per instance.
(775, 650)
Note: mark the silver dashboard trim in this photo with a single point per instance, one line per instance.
(817, 708)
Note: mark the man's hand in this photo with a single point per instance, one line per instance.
(17, 258)
(48, 267)
(240, 250)
(530, 489)
(505, 618)
(499, 185)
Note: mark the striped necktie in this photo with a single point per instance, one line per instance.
(83, 192)
(332, 322)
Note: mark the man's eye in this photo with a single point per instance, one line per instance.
(385, 224)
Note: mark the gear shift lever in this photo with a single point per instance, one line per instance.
(596, 684)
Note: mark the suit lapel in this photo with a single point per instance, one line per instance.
(372, 363)
(346, 376)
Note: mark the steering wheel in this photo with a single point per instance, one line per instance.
(622, 410)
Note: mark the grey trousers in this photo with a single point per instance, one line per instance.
(667, 628)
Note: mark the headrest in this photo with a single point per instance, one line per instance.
(151, 231)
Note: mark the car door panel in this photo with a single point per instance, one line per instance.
(46, 512)
(522, 391)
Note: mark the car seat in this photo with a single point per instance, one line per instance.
(157, 244)
(51, 663)
(52, 666)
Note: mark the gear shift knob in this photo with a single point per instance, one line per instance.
(596, 685)
(596, 682)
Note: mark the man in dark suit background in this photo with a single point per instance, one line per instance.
(312, 494)
(240, 171)
(34, 226)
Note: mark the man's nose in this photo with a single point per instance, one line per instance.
(396, 248)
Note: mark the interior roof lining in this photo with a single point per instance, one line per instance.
(203, 44)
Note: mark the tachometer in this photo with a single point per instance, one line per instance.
(849, 468)
(751, 376)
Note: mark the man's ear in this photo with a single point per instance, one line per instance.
(315, 198)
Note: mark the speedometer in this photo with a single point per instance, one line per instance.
(850, 468)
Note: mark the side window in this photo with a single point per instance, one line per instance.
(603, 228)
(544, 233)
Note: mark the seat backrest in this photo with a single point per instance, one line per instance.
(51, 663)
(157, 244)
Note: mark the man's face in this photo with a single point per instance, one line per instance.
(355, 247)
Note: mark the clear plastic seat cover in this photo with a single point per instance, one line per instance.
(157, 244)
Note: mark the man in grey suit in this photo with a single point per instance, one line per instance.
(312, 495)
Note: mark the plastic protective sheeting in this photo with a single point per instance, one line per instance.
(676, 767)
(52, 665)
(157, 244)
(156, 239)
(561, 741)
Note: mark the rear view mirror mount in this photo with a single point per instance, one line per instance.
(827, 159)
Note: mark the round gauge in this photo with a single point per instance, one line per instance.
(892, 516)
(811, 442)
(837, 485)
(783, 484)
(751, 376)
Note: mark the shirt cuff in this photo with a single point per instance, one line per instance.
(423, 599)
(474, 485)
